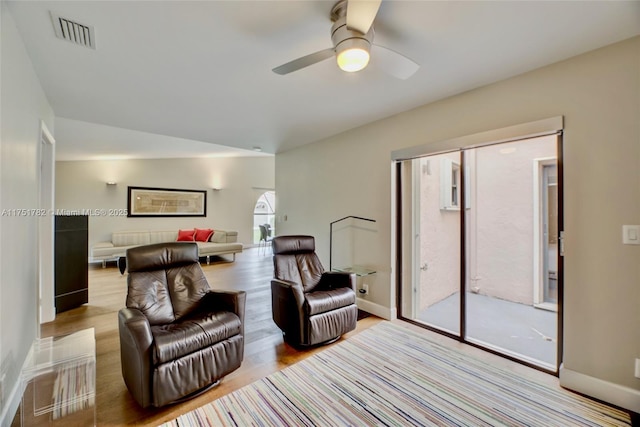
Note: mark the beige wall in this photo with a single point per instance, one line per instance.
(82, 185)
(24, 104)
(598, 94)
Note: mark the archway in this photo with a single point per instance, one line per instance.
(264, 213)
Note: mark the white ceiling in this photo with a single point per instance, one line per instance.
(179, 78)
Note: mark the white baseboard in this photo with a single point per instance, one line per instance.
(615, 394)
(11, 405)
(376, 309)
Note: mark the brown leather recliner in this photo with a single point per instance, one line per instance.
(177, 336)
(310, 306)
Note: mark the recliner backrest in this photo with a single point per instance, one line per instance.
(165, 281)
(295, 260)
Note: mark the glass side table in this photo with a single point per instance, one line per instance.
(59, 381)
(356, 269)
(359, 271)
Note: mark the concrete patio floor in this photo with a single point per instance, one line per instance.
(519, 330)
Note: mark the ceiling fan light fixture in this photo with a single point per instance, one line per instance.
(353, 55)
(352, 36)
(352, 60)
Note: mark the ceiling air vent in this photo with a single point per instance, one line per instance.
(75, 32)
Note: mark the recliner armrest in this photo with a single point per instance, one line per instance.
(136, 347)
(287, 307)
(288, 289)
(233, 301)
(337, 279)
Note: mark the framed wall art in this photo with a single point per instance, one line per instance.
(163, 202)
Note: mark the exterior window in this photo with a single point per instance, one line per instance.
(455, 178)
(449, 185)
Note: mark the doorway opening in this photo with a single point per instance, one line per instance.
(46, 188)
(264, 214)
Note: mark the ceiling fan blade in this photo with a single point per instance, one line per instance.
(392, 62)
(361, 13)
(304, 61)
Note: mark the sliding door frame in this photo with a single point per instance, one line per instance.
(463, 248)
(540, 128)
(560, 254)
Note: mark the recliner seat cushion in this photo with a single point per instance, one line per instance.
(192, 334)
(322, 301)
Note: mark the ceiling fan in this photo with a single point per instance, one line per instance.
(352, 37)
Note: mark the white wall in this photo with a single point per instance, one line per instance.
(82, 185)
(23, 104)
(598, 94)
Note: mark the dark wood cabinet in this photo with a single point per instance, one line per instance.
(71, 261)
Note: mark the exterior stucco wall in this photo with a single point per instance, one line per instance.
(439, 236)
(499, 221)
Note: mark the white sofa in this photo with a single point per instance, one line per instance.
(220, 243)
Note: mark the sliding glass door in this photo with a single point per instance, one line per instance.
(481, 257)
(502, 236)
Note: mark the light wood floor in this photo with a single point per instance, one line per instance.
(265, 351)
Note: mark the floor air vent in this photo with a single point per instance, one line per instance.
(73, 31)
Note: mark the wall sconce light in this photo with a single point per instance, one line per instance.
(216, 188)
(111, 183)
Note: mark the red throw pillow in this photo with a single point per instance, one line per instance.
(202, 235)
(185, 235)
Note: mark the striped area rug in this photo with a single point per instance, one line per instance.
(388, 375)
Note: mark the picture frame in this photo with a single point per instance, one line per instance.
(165, 202)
